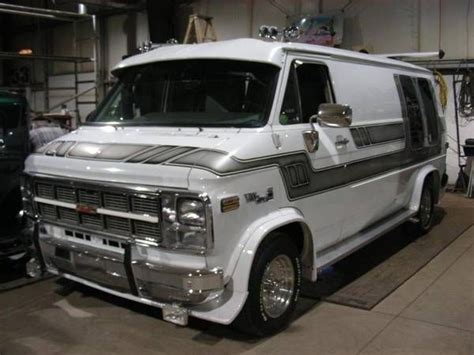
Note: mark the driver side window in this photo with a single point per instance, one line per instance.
(308, 86)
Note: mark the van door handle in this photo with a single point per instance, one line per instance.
(341, 142)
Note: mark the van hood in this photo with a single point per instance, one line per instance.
(134, 155)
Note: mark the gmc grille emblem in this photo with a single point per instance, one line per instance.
(86, 209)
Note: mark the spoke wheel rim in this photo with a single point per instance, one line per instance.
(277, 286)
(426, 207)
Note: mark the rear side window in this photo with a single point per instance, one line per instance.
(412, 111)
(426, 93)
(308, 86)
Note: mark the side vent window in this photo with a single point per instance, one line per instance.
(411, 109)
(308, 86)
(426, 92)
(291, 110)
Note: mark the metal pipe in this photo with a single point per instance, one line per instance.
(24, 13)
(97, 58)
(72, 98)
(460, 181)
(10, 55)
(34, 11)
(439, 54)
(456, 119)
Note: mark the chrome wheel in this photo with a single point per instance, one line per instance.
(278, 283)
(426, 207)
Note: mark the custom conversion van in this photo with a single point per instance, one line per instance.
(214, 177)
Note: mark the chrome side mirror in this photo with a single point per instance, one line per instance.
(334, 115)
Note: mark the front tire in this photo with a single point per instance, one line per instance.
(274, 287)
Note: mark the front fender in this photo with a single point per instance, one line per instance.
(244, 255)
(240, 265)
(418, 187)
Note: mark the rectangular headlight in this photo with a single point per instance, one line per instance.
(186, 223)
(191, 212)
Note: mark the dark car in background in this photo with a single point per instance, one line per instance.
(14, 147)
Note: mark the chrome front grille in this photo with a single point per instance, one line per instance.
(144, 206)
(117, 224)
(91, 220)
(45, 190)
(145, 229)
(116, 202)
(65, 194)
(90, 198)
(93, 198)
(68, 215)
(47, 211)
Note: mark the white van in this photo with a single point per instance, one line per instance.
(214, 177)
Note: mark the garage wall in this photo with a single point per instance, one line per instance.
(408, 25)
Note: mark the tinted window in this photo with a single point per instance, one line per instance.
(412, 111)
(290, 110)
(426, 93)
(308, 86)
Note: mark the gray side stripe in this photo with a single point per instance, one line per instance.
(143, 156)
(105, 151)
(367, 135)
(298, 175)
(131, 153)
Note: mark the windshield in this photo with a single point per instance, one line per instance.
(221, 93)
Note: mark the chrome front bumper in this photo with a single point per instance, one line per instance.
(125, 271)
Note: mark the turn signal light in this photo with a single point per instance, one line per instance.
(230, 203)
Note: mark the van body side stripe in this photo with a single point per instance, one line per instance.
(366, 136)
(299, 177)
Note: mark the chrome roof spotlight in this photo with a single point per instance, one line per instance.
(269, 32)
(288, 34)
(291, 33)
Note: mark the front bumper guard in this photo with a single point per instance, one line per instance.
(123, 273)
(176, 284)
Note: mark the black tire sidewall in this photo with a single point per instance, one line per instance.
(426, 227)
(264, 325)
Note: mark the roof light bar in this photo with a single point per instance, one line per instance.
(287, 34)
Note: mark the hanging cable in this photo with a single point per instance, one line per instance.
(443, 89)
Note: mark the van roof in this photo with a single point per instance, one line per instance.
(249, 49)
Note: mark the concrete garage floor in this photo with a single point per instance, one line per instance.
(431, 313)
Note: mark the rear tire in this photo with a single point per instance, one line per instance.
(274, 287)
(426, 209)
